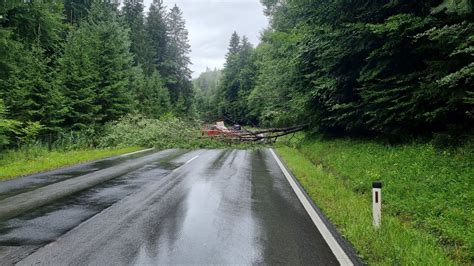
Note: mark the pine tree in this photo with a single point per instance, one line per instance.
(238, 80)
(153, 97)
(234, 46)
(246, 78)
(178, 75)
(229, 85)
(79, 77)
(157, 33)
(205, 88)
(96, 69)
(76, 10)
(27, 66)
(141, 47)
(38, 22)
(114, 61)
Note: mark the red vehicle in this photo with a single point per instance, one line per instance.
(215, 130)
(211, 131)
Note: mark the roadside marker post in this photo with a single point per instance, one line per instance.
(377, 203)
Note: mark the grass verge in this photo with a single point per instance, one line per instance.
(38, 159)
(337, 174)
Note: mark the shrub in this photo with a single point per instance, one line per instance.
(166, 132)
(6, 125)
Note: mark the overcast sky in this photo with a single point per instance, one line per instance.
(211, 23)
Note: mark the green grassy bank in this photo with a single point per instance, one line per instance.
(428, 198)
(38, 159)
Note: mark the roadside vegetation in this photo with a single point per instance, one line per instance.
(35, 159)
(163, 133)
(428, 210)
(130, 133)
(69, 70)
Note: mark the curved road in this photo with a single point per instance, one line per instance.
(198, 207)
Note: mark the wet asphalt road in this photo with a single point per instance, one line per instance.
(20, 185)
(199, 207)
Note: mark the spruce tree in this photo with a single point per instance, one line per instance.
(38, 22)
(141, 47)
(229, 85)
(96, 69)
(234, 45)
(31, 38)
(157, 32)
(153, 97)
(79, 77)
(76, 10)
(178, 76)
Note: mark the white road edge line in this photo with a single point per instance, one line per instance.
(328, 237)
(135, 152)
(192, 159)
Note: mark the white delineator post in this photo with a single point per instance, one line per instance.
(377, 203)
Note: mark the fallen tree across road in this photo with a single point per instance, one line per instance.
(266, 135)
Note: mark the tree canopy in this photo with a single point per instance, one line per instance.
(387, 68)
(78, 64)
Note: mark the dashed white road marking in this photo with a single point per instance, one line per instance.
(336, 249)
(135, 152)
(192, 159)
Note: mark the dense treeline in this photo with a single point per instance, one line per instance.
(79, 64)
(227, 98)
(205, 87)
(392, 68)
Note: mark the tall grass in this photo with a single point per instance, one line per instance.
(393, 244)
(41, 155)
(34, 159)
(426, 189)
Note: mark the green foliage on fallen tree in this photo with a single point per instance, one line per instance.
(166, 132)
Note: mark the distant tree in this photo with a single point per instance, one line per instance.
(237, 82)
(208, 80)
(228, 87)
(205, 87)
(234, 45)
